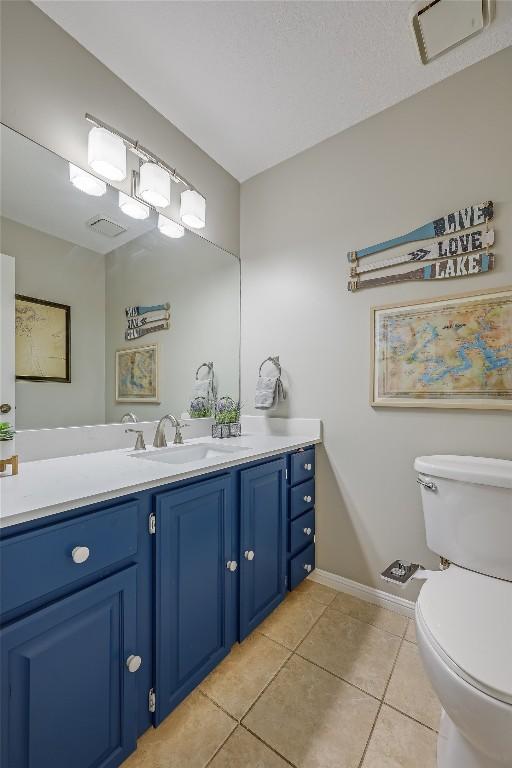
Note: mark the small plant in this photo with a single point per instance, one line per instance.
(6, 431)
(227, 411)
(200, 408)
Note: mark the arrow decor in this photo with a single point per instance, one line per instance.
(459, 266)
(439, 249)
(152, 317)
(136, 333)
(452, 222)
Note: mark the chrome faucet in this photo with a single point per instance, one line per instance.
(126, 418)
(140, 445)
(160, 441)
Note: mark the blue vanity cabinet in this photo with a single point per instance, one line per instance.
(68, 698)
(301, 515)
(195, 587)
(262, 542)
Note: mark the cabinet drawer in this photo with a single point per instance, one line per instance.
(302, 498)
(302, 466)
(302, 531)
(38, 563)
(301, 566)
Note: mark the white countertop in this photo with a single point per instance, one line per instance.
(49, 486)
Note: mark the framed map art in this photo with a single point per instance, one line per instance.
(451, 352)
(137, 375)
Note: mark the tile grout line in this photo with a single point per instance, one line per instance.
(410, 717)
(372, 730)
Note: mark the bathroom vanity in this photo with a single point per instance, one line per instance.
(112, 612)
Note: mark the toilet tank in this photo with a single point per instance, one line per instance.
(467, 504)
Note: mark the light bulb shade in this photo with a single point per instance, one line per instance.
(170, 228)
(86, 182)
(106, 154)
(154, 185)
(193, 209)
(133, 208)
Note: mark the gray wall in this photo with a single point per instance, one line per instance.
(49, 268)
(202, 284)
(48, 83)
(446, 147)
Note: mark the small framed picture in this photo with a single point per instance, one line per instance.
(449, 352)
(137, 375)
(43, 340)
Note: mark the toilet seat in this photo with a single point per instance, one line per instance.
(468, 619)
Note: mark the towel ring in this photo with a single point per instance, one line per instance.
(271, 359)
(205, 365)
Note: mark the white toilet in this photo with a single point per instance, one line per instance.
(464, 613)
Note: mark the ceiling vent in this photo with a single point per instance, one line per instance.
(104, 226)
(442, 24)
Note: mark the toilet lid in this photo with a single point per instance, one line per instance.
(469, 617)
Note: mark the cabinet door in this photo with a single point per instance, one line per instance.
(262, 542)
(68, 698)
(194, 587)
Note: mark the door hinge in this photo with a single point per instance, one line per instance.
(152, 700)
(152, 523)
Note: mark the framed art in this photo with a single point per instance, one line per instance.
(43, 340)
(450, 352)
(137, 375)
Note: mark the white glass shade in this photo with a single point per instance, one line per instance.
(132, 207)
(193, 209)
(170, 228)
(154, 185)
(86, 182)
(107, 154)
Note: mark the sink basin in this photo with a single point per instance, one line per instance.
(183, 454)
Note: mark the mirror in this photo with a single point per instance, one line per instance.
(112, 316)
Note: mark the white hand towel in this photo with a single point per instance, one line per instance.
(266, 391)
(201, 388)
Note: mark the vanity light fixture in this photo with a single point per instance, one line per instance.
(193, 209)
(86, 182)
(106, 154)
(154, 185)
(154, 176)
(132, 207)
(170, 228)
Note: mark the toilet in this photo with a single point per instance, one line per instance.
(464, 612)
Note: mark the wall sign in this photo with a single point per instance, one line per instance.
(142, 320)
(461, 266)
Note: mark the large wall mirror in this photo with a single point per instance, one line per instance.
(82, 355)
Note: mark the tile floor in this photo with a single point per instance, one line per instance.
(327, 681)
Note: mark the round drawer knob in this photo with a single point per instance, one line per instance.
(307, 531)
(232, 565)
(80, 554)
(133, 663)
(307, 499)
(307, 467)
(307, 567)
(249, 554)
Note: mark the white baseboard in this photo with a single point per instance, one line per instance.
(370, 594)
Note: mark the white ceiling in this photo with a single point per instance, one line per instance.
(253, 83)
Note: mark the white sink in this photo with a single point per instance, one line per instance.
(183, 454)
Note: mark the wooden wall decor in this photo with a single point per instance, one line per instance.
(453, 251)
(452, 222)
(460, 266)
(142, 320)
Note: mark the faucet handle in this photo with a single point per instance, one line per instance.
(140, 445)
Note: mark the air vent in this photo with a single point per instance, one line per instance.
(442, 24)
(104, 226)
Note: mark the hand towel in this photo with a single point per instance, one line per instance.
(268, 390)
